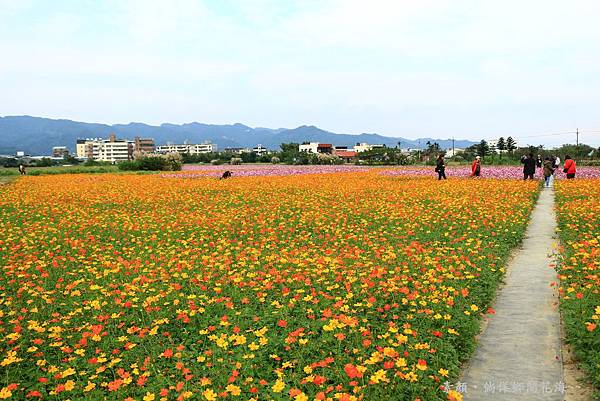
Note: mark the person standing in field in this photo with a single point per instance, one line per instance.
(539, 162)
(556, 163)
(528, 166)
(21, 169)
(570, 167)
(440, 167)
(476, 167)
(548, 171)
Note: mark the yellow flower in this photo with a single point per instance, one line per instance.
(149, 396)
(209, 395)
(411, 377)
(400, 362)
(443, 372)
(301, 397)
(5, 393)
(90, 386)
(233, 390)
(69, 385)
(278, 386)
(379, 376)
(455, 395)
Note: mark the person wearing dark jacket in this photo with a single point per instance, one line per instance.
(539, 162)
(548, 171)
(528, 166)
(440, 167)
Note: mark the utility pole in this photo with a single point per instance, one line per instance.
(453, 147)
(577, 133)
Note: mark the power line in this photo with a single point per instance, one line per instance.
(575, 132)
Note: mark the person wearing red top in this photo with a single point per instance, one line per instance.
(476, 167)
(569, 167)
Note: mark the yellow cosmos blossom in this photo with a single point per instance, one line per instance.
(5, 393)
(278, 386)
(149, 396)
(233, 389)
(209, 394)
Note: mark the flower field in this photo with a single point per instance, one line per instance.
(498, 172)
(579, 221)
(251, 170)
(340, 286)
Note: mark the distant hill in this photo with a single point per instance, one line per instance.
(37, 136)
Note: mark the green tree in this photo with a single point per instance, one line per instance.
(576, 152)
(44, 162)
(493, 151)
(248, 157)
(501, 146)
(483, 149)
(290, 153)
(433, 149)
(70, 159)
(510, 144)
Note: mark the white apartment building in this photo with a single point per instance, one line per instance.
(116, 151)
(316, 147)
(192, 149)
(365, 147)
(110, 150)
(309, 147)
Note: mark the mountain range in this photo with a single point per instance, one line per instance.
(37, 136)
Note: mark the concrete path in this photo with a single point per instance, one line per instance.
(519, 354)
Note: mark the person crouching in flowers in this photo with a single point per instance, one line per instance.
(476, 167)
(548, 171)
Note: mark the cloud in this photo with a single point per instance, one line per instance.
(397, 67)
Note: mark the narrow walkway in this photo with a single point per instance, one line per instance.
(519, 355)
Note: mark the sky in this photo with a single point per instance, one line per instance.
(430, 68)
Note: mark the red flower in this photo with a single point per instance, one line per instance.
(352, 371)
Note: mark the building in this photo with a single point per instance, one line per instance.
(111, 150)
(238, 151)
(316, 147)
(115, 150)
(143, 145)
(60, 151)
(81, 148)
(364, 147)
(453, 152)
(192, 149)
(344, 154)
(260, 150)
